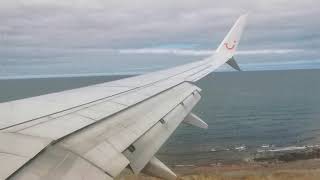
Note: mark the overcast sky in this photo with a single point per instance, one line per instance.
(51, 37)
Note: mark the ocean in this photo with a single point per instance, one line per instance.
(248, 113)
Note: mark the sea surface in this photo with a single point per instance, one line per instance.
(248, 113)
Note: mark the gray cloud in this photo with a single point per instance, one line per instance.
(51, 31)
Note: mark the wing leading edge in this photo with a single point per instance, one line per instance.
(97, 131)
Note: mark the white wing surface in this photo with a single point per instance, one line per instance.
(97, 131)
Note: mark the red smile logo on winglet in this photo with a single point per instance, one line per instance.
(232, 47)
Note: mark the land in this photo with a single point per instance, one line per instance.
(301, 165)
(297, 170)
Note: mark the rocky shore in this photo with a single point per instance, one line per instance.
(300, 164)
(289, 156)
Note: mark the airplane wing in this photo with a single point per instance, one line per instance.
(96, 132)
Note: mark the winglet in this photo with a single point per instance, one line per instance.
(228, 46)
(230, 43)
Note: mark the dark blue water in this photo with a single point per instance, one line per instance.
(247, 113)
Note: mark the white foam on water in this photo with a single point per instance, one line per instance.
(213, 150)
(265, 146)
(241, 148)
(313, 146)
(184, 165)
(216, 164)
(261, 150)
(289, 148)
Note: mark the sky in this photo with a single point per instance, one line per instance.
(95, 37)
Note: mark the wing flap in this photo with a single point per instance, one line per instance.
(150, 142)
(108, 158)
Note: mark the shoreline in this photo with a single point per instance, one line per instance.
(295, 170)
(292, 165)
(300, 169)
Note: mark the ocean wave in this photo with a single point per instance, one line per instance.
(273, 148)
(265, 146)
(213, 150)
(184, 165)
(219, 149)
(289, 148)
(241, 148)
(313, 146)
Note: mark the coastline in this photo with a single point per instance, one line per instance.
(292, 165)
(301, 169)
(296, 170)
